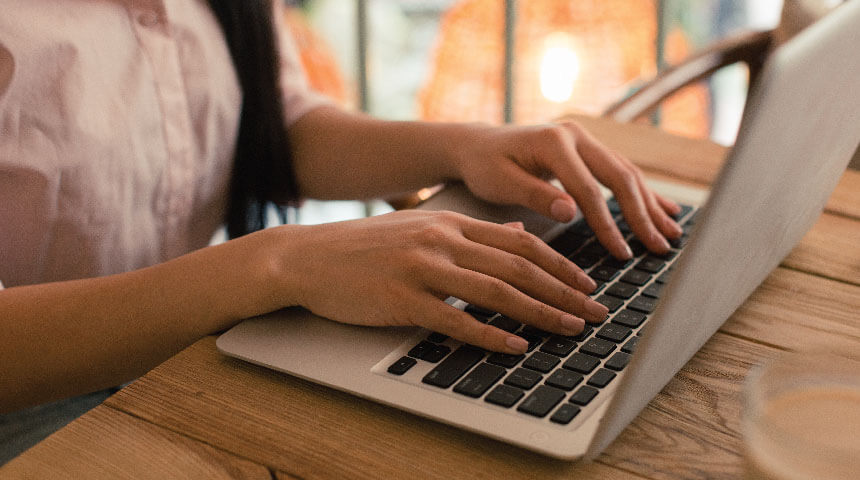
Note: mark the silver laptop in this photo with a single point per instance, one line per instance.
(569, 397)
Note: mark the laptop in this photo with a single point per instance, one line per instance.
(569, 397)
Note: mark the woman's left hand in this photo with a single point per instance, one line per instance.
(511, 165)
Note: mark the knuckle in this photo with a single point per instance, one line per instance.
(556, 134)
(591, 190)
(497, 289)
(626, 179)
(522, 267)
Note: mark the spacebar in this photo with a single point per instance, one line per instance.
(453, 367)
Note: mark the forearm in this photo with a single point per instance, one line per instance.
(67, 338)
(340, 155)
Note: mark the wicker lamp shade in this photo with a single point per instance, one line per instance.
(570, 56)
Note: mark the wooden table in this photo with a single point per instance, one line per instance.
(202, 415)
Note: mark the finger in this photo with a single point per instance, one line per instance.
(667, 205)
(528, 246)
(666, 224)
(497, 295)
(567, 165)
(538, 195)
(528, 278)
(443, 318)
(620, 176)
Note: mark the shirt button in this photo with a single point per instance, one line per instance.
(148, 19)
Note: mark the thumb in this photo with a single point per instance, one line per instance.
(538, 195)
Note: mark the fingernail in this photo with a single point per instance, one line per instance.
(517, 225)
(562, 210)
(676, 229)
(628, 253)
(597, 310)
(518, 344)
(572, 324)
(586, 281)
(663, 242)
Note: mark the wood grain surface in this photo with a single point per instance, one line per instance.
(203, 412)
(108, 444)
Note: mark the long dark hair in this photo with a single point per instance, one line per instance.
(262, 166)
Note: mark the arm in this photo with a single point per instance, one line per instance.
(67, 338)
(339, 155)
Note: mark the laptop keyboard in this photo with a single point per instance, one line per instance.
(558, 375)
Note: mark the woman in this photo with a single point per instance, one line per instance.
(132, 129)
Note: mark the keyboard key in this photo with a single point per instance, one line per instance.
(597, 289)
(558, 345)
(629, 318)
(564, 379)
(614, 332)
(654, 290)
(504, 359)
(636, 277)
(541, 401)
(582, 363)
(637, 247)
(565, 414)
(436, 337)
(685, 209)
(586, 331)
(618, 361)
(601, 378)
(438, 352)
(523, 378)
(530, 330)
(650, 264)
(402, 366)
(504, 395)
(585, 261)
(614, 207)
(662, 279)
(542, 362)
(616, 263)
(452, 368)
(630, 346)
(603, 273)
(623, 226)
(597, 347)
(480, 380)
(610, 302)
(567, 243)
(419, 350)
(584, 395)
(679, 242)
(533, 340)
(581, 228)
(643, 304)
(481, 311)
(505, 323)
(622, 290)
(596, 249)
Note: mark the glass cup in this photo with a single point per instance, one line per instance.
(802, 417)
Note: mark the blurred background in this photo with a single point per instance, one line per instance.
(444, 60)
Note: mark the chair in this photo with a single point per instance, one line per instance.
(749, 48)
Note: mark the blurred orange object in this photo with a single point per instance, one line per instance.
(317, 58)
(570, 56)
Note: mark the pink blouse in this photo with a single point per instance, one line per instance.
(118, 121)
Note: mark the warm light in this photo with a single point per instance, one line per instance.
(559, 68)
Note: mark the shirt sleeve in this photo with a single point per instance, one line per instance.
(297, 95)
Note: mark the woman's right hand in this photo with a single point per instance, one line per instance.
(397, 269)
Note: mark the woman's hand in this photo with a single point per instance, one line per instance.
(397, 269)
(510, 165)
